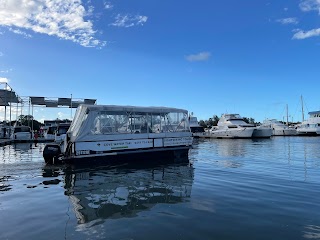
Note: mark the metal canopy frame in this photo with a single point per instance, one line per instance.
(8, 97)
(60, 102)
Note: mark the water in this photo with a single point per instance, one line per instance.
(232, 189)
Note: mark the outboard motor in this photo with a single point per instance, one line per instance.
(51, 152)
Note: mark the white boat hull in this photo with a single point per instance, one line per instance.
(262, 133)
(284, 132)
(308, 131)
(231, 133)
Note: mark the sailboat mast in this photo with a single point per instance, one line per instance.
(302, 109)
(287, 116)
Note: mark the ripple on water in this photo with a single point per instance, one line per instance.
(243, 188)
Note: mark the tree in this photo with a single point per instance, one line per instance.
(249, 120)
(215, 120)
(28, 120)
(202, 124)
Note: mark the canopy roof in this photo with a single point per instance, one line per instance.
(68, 102)
(315, 112)
(136, 109)
(83, 123)
(7, 97)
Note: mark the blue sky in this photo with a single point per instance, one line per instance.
(209, 57)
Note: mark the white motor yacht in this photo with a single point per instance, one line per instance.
(262, 132)
(278, 128)
(232, 126)
(195, 128)
(108, 132)
(49, 133)
(21, 133)
(311, 126)
(61, 132)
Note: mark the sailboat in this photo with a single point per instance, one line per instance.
(279, 128)
(311, 126)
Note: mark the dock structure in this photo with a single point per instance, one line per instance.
(14, 104)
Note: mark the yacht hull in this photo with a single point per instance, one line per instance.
(231, 133)
(284, 132)
(160, 155)
(262, 133)
(308, 133)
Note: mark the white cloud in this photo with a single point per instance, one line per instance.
(61, 18)
(305, 6)
(6, 71)
(1, 54)
(286, 21)
(310, 5)
(108, 5)
(4, 80)
(18, 31)
(129, 21)
(202, 56)
(306, 34)
(62, 115)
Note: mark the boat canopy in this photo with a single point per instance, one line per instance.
(94, 122)
(314, 114)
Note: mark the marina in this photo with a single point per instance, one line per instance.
(238, 188)
(126, 120)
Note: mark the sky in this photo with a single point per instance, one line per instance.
(251, 57)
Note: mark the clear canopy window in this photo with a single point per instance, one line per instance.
(100, 120)
(108, 122)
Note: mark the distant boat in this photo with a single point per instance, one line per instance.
(21, 133)
(262, 132)
(231, 126)
(311, 126)
(278, 128)
(49, 133)
(61, 132)
(195, 128)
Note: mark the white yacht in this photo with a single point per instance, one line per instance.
(232, 126)
(108, 132)
(195, 128)
(311, 126)
(61, 132)
(21, 133)
(278, 128)
(49, 133)
(262, 132)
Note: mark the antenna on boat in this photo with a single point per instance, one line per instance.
(302, 108)
(71, 106)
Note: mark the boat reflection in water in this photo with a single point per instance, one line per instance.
(118, 192)
(22, 147)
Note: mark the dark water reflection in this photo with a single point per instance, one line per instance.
(118, 192)
(232, 189)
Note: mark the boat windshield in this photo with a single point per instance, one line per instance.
(22, 129)
(63, 129)
(51, 129)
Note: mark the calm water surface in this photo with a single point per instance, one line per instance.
(232, 189)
